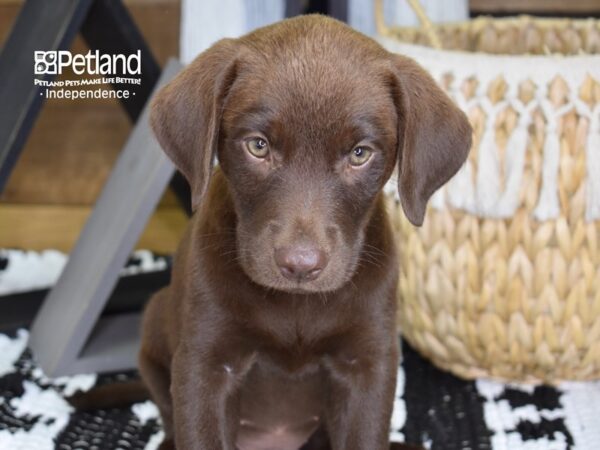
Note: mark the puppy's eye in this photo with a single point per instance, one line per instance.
(360, 155)
(257, 147)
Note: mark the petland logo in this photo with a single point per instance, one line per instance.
(112, 76)
(92, 63)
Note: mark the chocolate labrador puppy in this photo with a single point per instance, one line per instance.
(277, 331)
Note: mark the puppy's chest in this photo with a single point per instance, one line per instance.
(302, 332)
(299, 346)
(278, 409)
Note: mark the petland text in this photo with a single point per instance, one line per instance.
(92, 63)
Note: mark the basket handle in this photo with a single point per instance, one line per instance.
(416, 6)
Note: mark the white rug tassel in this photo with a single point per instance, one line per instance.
(461, 190)
(548, 205)
(488, 177)
(513, 168)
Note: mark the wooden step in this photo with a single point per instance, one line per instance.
(39, 227)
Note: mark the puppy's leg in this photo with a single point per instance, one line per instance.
(154, 357)
(362, 393)
(206, 390)
(156, 378)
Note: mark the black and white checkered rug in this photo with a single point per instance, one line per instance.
(432, 407)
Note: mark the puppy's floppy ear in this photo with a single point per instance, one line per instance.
(434, 136)
(186, 114)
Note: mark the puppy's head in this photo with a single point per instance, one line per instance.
(308, 119)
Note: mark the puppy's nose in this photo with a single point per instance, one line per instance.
(300, 262)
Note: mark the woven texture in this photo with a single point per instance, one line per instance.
(502, 279)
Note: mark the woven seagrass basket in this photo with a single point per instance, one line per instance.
(503, 278)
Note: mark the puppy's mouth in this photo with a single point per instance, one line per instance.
(300, 289)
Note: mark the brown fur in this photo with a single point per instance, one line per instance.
(235, 354)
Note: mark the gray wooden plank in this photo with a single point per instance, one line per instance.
(112, 346)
